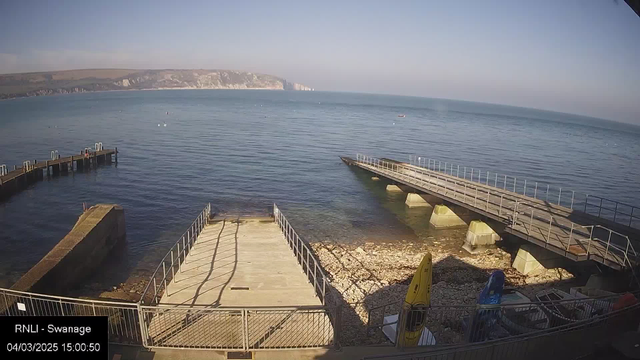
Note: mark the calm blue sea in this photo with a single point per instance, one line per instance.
(244, 150)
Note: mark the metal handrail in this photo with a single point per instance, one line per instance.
(591, 305)
(498, 306)
(176, 258)
(124, 323)
(494, 179)
(303, 255)
(57, 298)
(466, 348)
(508, 208)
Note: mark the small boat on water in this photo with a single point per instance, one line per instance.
(402, 115)
(523, 318)
(563, 312)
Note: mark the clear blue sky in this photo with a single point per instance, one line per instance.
(577, 56)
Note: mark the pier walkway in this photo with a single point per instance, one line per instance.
(238, 283)
(240, 262)
(13, 181)
(555, 227)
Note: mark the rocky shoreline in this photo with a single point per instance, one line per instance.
(368, 276)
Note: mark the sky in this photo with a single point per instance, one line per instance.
(575, 56)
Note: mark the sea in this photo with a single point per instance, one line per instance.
(244, 150)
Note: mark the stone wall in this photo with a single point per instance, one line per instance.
(79, 254)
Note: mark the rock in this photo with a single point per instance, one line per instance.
(359, 250)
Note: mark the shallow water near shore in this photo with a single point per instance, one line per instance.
(244, 150)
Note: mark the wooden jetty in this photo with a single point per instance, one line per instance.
(13, 181)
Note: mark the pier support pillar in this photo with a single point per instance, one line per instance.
(444, 218)
(393, 188)
(416, 200)
(479, 236)
(532, 259)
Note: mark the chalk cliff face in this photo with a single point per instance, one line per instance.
(74, 81)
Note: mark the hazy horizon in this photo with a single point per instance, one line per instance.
(575, 57)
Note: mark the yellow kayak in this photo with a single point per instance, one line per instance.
(416, 303)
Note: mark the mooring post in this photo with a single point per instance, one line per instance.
(116, 154)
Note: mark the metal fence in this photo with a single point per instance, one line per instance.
(544, 225)
(567, 341)
(303, 254)
(237, 328)
(448, 325)
(600, 207)
(172, 261)
(124, 325)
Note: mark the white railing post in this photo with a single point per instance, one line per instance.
(608, 242)
(547, 197)
(164, 274)
(573, 195)
(570, 236)
(559, 195)
(531, 221)
(590, 240)
(173, 273)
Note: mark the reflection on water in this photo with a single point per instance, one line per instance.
(244, 150)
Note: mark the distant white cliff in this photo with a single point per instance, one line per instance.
(72, 81)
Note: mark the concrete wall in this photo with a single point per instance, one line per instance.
(445, 218)
(79, 253)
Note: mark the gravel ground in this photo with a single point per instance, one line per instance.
(366, 277)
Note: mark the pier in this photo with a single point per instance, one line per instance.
(561, 228)
(14, 181)
(238, 283)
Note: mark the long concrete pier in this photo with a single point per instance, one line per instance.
(553, 227)
(14, 181)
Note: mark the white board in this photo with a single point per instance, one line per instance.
(390, 323)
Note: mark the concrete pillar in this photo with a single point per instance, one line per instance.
(443, 218)
(416, 200)
(532, 259)
(393, 188)
(375, 178)
(479, 236)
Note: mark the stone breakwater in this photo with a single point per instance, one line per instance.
(368, 276)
